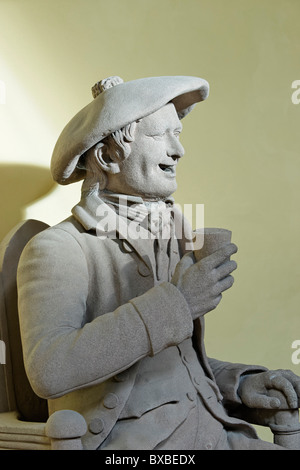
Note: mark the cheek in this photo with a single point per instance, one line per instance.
(144, 159)
(133, 171)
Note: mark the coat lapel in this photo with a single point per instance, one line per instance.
(95, 215)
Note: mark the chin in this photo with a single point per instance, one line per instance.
(161, 193)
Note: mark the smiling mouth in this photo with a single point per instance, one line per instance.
(169, 170)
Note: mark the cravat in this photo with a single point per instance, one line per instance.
(155, 216)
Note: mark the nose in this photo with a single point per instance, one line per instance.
(175, 149)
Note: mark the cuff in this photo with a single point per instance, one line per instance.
(166, 316)
(228, 379)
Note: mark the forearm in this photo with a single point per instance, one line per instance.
(61, 351)
(64, 358)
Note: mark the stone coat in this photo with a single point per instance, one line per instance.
(92, 312)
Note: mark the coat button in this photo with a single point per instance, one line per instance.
(143, 270)
(122, 376)
(96, 426)
(126, 246)
(110, 401)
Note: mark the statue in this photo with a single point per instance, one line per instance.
(112, 312)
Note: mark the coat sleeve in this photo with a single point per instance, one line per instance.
(63, 352)
(227, 376)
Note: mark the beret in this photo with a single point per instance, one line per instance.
(115, 105)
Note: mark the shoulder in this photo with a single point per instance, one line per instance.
(54, 253)
(65, 231)
(60, 239)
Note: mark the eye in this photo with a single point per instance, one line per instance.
(177, 133)
(156, 136)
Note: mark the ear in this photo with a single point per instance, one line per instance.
(106, 158)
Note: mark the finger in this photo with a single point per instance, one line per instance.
(294, 381)
(220, 256)
(224, 284)
(261, 401)
(297, 389)
(216, 301)
(282, 384)
(293, 378)
(225, 269)
(203, 309)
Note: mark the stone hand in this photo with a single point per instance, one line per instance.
(255, 390)
(203, 282)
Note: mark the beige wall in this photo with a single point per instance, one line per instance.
(242, 145)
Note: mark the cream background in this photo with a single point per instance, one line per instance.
(242, 145)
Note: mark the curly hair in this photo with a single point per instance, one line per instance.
(117, 144)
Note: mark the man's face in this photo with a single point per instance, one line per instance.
(150, 169)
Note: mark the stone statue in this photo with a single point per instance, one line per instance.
(112, 300)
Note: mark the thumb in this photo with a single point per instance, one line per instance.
(258, 400)
(186, 262)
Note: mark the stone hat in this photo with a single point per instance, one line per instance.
(115, 105)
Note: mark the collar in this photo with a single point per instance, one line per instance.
(134, 207)
(95, 214)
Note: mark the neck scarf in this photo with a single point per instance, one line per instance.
(156, 216)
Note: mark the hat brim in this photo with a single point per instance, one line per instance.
(115, 108)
